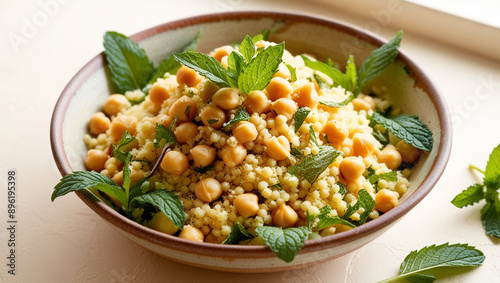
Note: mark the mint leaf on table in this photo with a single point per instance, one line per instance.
(285, 243)
(206, 65)
(168, 203)
(313, 165)
(490, 214)
(130, 67)
(336, 75)
(378, 60)
(470, 196)
(164, 136)
(418, 263)
(338, 104)
(241, 115)
(238, 234)
(259, 72)
(408, 128)
(492, 172)
(118, 151)
(300, 116)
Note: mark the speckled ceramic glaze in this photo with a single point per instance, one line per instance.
(413, 93)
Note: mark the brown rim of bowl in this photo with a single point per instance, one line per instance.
(233, 251)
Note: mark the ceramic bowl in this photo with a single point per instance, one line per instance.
(325, 38)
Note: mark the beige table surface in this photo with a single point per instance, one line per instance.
(65, 241)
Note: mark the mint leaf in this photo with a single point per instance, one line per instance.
(300, 116)
(339, 104)
(490, 214)
(320, 82)
(262, 36)
(238, 234)
(241, 115)
(377, 62)
(235, 66)
(342, 189)
(471, 195)
(167, 202)
(296, 152)
(164, 136)
(120, 153)
(366, 202)
(408, 128)
(126, 178)
(261, 69)
(293, 72)
(313, 165)
(285, 243)
(336, 75)
(327, 221)
(492, 172)
(81, 180)
(247, 49)
(391, 176)
(350, 73)
(206, 65)
(130, 67)
(312, 135)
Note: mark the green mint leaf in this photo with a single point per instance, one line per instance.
(126, 178)
(235, 66)
(137, 189)
(391, 176)
(320, 82)
(81, 180)
(296, 152)
(310, 219)
(421, 278)
(238, 234)
(241, 115)
(262, 36)
(378, 61)
(342, 189)
(350, 210)
(130, 67)
(167, 202)
(212, 121)
(261, 69)
(492, 172)
(174, 122)
(118, 151)
(432, 257)
(312, 135)
(276, 186)
(313, 165)
(408, 128)
(350, 72)
(300, 116)
(336, 75)
(339, 104)
(206, 65)
(471, 195)
(247, 49)
(164, 136)
(326, 221)
(285, 243)
(383, 138)
(490, 214)
(365, 201)
(293, 72)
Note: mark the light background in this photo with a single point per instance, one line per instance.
(65, 241)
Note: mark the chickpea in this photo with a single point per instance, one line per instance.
(121, 124)
(363, 144)
(174, 163)
(158, 93)
(208, 189)
(284, 216)
(409, 153)
(283, 72)
(162, 119)
(336, 132)
(233, 155)
(185, 131)
(285, 107)
(207, 90)
(279, 88)
(115, 103)
(278, 148)
(390, 156)
(257, 102)
(363, 103)
(203, 155)
(247, 205)
(306, 95)
(352, 168)
(386, 200)
(187, 76)
(192, 233)
(98, 123)
(244, 131)
(185, 108)
(161, 223)
(227, 98)
(96, 159)
(220, 52)
(213, 116)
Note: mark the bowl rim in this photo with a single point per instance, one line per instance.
(236, 251)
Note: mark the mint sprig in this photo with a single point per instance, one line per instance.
(300, 116)
(164, 136)
(285, 243)
(241, 115)
(206, 65)
(120, 149)
(417, 265)
(238, 234)
(313, 165)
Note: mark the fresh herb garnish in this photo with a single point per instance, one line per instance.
(262, 36)
(296, 152)
(164, 136)
(285, 243)
(312, 135)
(408, 128)
(241, 115)
(490, 213)
(417, 265)
(300, 116)
(276, 186)
(238, 234)
(339, 104)
(391, 176)
(336, 75)
(342, 190)
(212, 121)
(293, 72)
(364, 201)
(206, 65)
(120, 149)
(313, 165)
(325, 220)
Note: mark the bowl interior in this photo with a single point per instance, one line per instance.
(411, 91)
